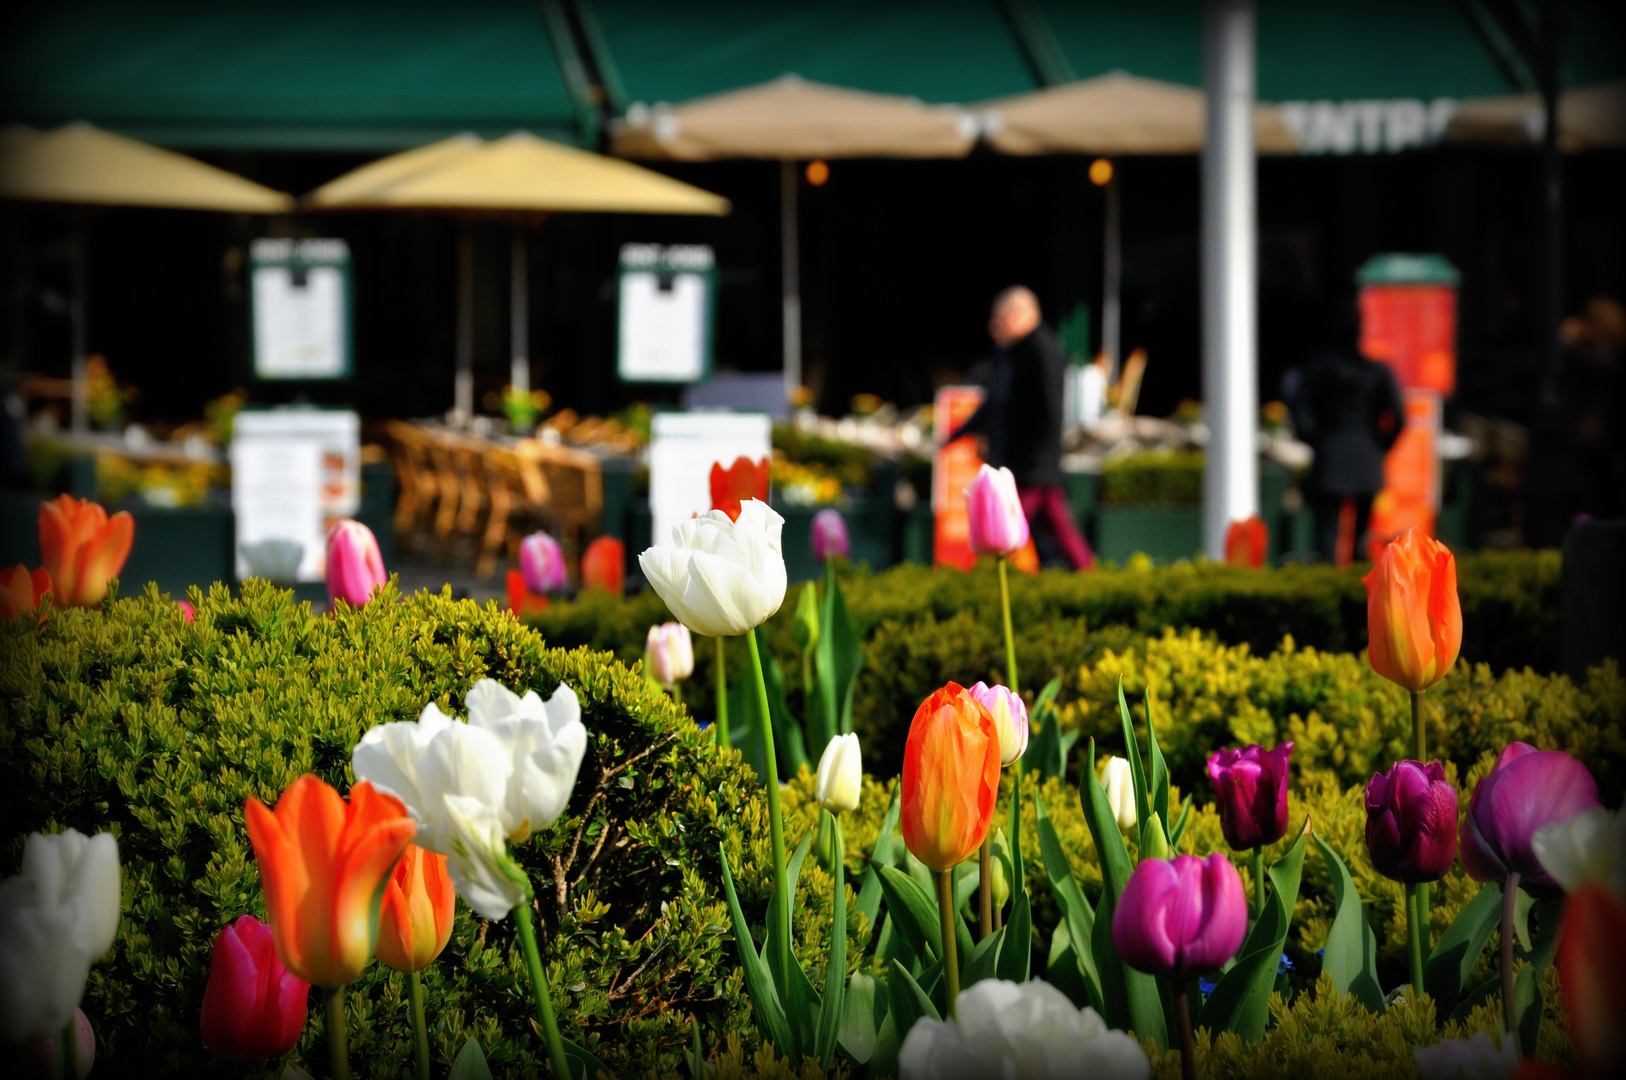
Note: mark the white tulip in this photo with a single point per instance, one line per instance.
(721, 578)
(1120, 786)
(840, 779)
(1467, 1059)
(57, 917)
(1026, 1031)
(474, 788)
(1588, 849)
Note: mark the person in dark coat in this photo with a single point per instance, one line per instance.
(1020, 419)
(1349, 410)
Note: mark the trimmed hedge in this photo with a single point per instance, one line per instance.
(132, 720)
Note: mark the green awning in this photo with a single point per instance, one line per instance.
(936, 50)
(285, 75)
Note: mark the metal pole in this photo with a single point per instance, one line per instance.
(463, 387)
(77, 259)
(1552, 202)
(519, 318)
(790, 277)
(1112, 279)
(1229, 273)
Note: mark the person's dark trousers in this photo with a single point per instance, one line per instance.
(1329, 510)
(1047, 507)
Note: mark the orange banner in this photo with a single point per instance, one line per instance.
(1413, 329)
(953, 470)
(1411, 475)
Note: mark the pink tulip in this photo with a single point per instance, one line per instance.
(354, 566)
(998, 526)
(1528, 788)
(188, 612)
(542, 562)
(1411, 822)
(37, 1056)
(670, 651)
(253, 1007)
(830, 539)
(1010, 719)
(1250, 788)
(1180, 917)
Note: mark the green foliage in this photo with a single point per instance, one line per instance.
(1153, 477)
(135, 721)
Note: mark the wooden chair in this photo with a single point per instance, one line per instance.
(449, 481)
(575, 486)
(473, 496)
(514, 486)
(409, 449)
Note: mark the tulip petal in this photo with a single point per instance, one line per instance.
(1141, 929)
(475, 861)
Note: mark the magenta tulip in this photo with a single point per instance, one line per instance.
(1180, 917)
(253, 1007)
(1528, 788)
(1411, 822)
(542, 563)
(998, 526)
(354, 566)
(830, 539)
(1250, 786)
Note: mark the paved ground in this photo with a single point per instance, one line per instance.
(418, 572)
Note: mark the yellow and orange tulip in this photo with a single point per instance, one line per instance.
(21, 591)
(416, 920)
(324, 863)
(951, 766)
(82, 548)
(1413, 617)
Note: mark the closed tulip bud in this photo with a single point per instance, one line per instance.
(999, 869)
(21, 591)
(998, 525)
(721, 577)
(604, 565)
(323, 865)
(1250, 787)
(415, 921)
(1413, 617)
(253, 1007)
(743, 480)
(805, 630)
(1119, 783)
(1527, 789)
(830, 539)
(1411, 822)
(41, 1054)
(354, 566)
(1155, 839)
(1180, 917)
(542, 563)
(670, 652)
(82, 549)
(840, 779)
(951, 764)
(1010, 719)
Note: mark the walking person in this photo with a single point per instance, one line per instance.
(1020, 420)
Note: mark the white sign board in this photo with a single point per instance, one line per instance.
(301, 502)
(682, 449)
(663, 328)
(301, 308)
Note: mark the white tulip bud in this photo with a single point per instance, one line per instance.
(841, 775)
(1120, 785)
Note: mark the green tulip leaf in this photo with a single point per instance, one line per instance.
(831, 1011)
(1522, 903)
(983, 963)
(1179, 828)
(1077, 917)
(1045, 751)
(1458, 949)
(869, 894)
(470, 1063)
(1352, 949)
(837, 658)
(859, 1023)
(796, 993)
(909, 1001)
(1158, 788)
(913, 912)
(1527, 999)
(759, 982)
(1137, 771)
(1016, 956)
(696, 1054)
(583, 1059)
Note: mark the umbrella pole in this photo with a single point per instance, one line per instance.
(463, 387)
(790, 278)
(77, 258)
(1112, 279)
(519, 318)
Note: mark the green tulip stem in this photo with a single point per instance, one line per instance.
(780, 907)
(985, 885)
(420, 1032)
(807, 682)
(338, 1045)
(1182, 1019)
(1010, 637)
(1424, 938)
(677, 693)
(1419, 728)
(1510, 1009)
(1414, 940)
(65, 1062)
(720, 673)
(1256, 865)
(947, 915)
(539, 986)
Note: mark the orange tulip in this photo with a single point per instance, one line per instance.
(1413, 618)
(323, 865)
(604, 565)
(416, 920)
(82, 548)
(745, 479)
(21, 591)
(1246, 542)
(951, 768)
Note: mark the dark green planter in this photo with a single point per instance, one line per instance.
(1165, 533)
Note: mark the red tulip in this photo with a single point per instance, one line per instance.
(1527, 789)
(253, 1007)
(1247, 542)
(1411, 822)
(21, 591)
(1591, 959)
(1413, 616)
(521, 600)
(1250, 786)
(82, 548)
(745, 479)
(1180, 917)
(951, 765)
(604, 565)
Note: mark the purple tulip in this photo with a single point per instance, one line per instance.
(830, 537)
(1250, 786)
(1528, 788)
(354, 566)
(1180, 917)
(542, 563)
(1411, 822)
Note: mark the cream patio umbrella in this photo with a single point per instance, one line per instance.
(83, 165)
(787, 120)
(1589, 118)
(517, 173)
